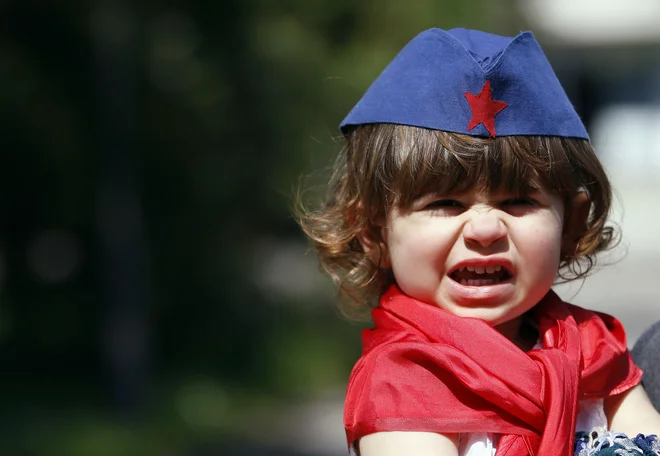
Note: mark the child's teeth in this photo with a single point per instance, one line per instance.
(490, 269)
(479, 282)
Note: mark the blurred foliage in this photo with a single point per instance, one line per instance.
(155, 294)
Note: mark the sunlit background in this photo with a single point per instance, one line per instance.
(156, 297)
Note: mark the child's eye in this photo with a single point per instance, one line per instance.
(524, 201)
(445, 203)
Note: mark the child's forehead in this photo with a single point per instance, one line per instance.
(477, 193)
(450, 178)
(487, 193)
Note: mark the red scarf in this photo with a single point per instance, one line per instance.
(425, 369)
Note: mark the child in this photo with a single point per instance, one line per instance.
(466, 188)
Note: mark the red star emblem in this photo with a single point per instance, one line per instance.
(484, 108)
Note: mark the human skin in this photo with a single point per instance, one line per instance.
(488, 256)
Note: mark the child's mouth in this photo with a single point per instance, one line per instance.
(478, 276)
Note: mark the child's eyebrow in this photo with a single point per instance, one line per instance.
(442, 195)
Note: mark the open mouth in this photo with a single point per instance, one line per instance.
(479, 276)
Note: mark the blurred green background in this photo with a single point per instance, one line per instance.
(156, 296)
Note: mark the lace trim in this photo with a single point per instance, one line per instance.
(600, 442)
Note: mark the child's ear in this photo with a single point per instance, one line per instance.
(576, 216)
(375, 246)
(373, 242)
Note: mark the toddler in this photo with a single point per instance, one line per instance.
(466, 189)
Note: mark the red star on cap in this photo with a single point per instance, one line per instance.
(484, 108)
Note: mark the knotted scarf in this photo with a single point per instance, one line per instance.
(425, 369)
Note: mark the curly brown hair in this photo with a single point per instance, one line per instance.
(383, 166)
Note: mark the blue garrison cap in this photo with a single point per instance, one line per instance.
(470, 82)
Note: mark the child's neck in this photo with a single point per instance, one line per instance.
(518, 332)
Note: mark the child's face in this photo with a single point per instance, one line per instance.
(490, 256)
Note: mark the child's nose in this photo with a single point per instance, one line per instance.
(484, 228)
